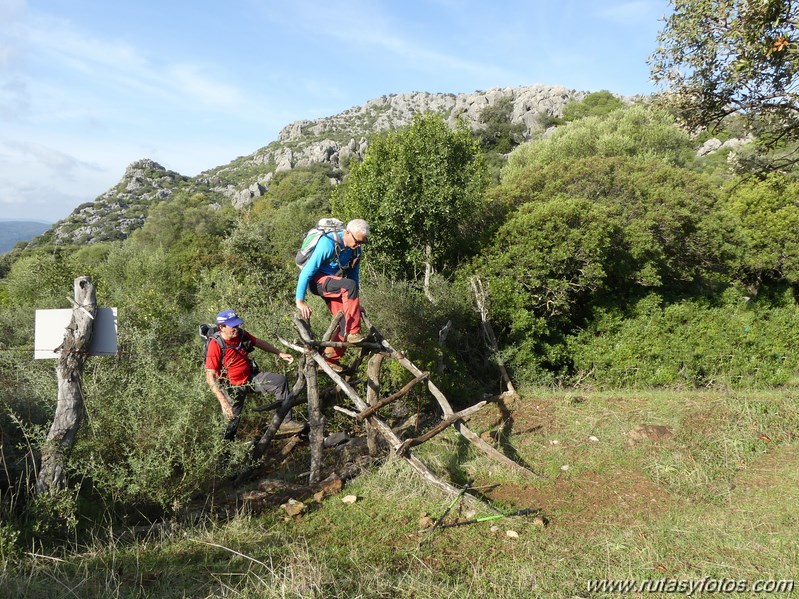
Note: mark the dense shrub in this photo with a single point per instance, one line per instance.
(413, 325)
(637, 131)
(597, 104)
(153, 433)
(733, 340)
(766, 212)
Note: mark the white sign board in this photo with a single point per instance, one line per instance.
(52, 324)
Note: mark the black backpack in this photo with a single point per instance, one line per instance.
(210, 332)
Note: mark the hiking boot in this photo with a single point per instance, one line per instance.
(335, 366)
(291, 427)
(354, 337)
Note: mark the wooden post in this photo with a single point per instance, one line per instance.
(316, 436)
(372, 393)
(334, 324)
(69, 405)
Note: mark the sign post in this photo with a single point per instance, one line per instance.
(72, 353)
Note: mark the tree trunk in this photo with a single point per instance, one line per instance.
(69, 406)
(372, 397)
(428, 271)
(488, 331)
(316, 436)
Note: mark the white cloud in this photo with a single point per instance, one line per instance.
(36, 200)
(6, 54)
(103, 70)
(11, 9)
(49, 158)
(363, 26)
(191, 81)
(14, 98)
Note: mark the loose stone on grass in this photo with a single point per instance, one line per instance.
(293, 507)
(425, 521)
(649, 432)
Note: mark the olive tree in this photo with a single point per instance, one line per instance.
(718, 58)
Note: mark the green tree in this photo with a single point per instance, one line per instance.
(767, 215)
(718, 58)
(674, 234)
(599, 103)
(420, 189)
(41, 279)
(302, 183)
(593, 232)
(544, 266)
(185, 216)
(294, 202)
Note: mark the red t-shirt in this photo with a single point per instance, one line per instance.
(236, 368)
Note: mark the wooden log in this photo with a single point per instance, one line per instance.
(345, 344)
(372, 393)
(316, 436)
(374, 407)
(461, 427)
(381, 427)
(291, 345)
(303, 328)
(69, 404)
(444, 424)
(346, 412)
(306, 334)
(333, 325)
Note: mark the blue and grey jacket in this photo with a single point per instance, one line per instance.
(329, 258)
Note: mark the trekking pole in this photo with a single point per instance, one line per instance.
(524, 512)
(451, 505)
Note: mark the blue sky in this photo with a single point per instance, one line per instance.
(88, 87)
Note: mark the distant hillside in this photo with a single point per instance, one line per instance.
(14, 231)
(334, 140)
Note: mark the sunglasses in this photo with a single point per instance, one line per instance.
(356, 240)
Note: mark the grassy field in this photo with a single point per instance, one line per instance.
(707, 494)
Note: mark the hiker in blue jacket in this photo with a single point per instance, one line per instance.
(331, 272)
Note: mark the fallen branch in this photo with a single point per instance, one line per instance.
(384, 402)
(408, 443)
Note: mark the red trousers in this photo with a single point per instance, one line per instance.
(340, 294)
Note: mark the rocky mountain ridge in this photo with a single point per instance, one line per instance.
(336, 140)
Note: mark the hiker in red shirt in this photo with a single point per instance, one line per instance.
(230, 374)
